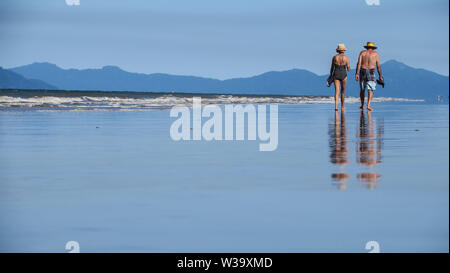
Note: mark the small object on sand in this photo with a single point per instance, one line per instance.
(97, 126)
(417, 130)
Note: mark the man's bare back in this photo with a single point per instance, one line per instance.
(369, 59)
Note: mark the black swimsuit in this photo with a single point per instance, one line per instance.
(340, 72)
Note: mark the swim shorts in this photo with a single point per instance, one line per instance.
(367, 79)
(371, 85)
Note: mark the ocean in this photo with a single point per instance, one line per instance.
(101, 169)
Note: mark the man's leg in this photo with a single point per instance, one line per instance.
(361, 95)
(370, 99)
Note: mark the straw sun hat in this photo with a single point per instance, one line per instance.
(341, 47)
(370, 45)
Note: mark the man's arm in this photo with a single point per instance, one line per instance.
(379, 67)
(358, 67)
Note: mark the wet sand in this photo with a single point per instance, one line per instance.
(335, 182)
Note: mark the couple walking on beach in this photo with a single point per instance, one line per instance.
(365, 73)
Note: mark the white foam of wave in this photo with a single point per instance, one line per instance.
(124, 103)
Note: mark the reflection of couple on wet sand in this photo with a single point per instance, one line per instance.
(365, 74)
(338, 148)
(368, 148)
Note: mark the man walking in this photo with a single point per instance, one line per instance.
(365, 72)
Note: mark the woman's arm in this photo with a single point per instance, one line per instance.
(332, 66)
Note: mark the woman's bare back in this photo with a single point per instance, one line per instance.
(340, 59)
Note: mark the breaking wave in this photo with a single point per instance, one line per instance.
(78, 100)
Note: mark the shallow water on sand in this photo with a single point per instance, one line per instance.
(334, 183)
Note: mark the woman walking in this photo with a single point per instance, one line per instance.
(340, 64)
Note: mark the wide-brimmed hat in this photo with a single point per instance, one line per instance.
(341, 47)
(370, 45)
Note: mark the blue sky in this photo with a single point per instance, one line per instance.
(220, 39)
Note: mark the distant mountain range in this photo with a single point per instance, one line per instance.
(401, 81)
(9, 79)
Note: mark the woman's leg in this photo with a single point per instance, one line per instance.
(336, 94)
(343, 84)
